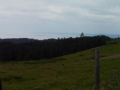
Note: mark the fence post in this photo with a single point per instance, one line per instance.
(97, 67)
(0, 85)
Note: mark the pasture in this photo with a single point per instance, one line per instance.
(69, 72)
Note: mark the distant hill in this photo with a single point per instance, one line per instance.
(17, 40)
(25, 40)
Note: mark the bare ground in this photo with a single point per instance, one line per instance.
(112, 56)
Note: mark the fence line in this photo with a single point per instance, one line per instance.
(97, 67)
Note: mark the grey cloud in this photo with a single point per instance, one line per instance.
(90, 16)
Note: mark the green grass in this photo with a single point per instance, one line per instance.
(110, 74)
(69, 72)
(113, 41)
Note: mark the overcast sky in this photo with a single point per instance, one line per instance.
(54, 18)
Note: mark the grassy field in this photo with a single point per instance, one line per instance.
(69, 72)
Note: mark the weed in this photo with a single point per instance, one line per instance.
(113, 81)
(11, 78)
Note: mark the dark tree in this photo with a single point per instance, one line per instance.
(45, 49)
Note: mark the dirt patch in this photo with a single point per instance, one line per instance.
(112, 56)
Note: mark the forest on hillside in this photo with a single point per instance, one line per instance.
(45, 49)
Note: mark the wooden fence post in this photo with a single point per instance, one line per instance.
(0, 85)
(97, 67)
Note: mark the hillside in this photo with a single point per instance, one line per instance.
(69, 72)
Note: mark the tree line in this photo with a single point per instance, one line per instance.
(45, 49)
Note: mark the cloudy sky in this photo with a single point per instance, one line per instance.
(55, 18)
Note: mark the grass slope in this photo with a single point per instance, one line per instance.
(70, 72)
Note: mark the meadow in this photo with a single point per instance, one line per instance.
(69, 72)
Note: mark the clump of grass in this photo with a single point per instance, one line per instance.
(113, 81)
(44, 61)
(30, 62)
(11, 78)
(54, 60)
(81, 54)
(91, 58)
(60, 58)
